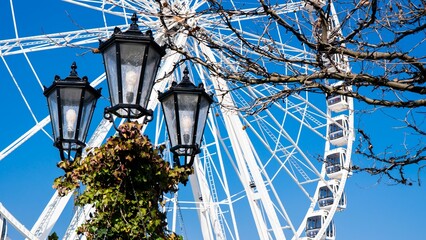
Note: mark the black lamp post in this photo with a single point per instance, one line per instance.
(185, 109)
(71, 104)
(131, 61)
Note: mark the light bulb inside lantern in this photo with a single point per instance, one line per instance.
(70, 117)
(186, 124)
(131, 79)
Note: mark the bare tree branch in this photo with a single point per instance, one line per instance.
(374, 49)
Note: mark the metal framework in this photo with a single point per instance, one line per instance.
(256, 174)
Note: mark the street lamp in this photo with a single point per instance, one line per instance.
(185, 109)
(131, 61)
(71, 104)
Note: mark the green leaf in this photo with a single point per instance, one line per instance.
(124, 179)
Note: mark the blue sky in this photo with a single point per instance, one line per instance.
(376, 209)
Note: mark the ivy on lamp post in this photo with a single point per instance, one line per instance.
(124, 180)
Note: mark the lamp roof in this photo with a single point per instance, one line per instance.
(186, 86)
(132, 34)
(73, 80)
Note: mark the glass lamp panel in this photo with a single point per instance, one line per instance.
(110, 61)
(202, 117)
(86, 115)
(169, 113)
(187, 106)
(52, 101)
(152, 62)
(70, 101)
(131, 64)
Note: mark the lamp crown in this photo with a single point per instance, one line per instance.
(73, 75)
(185, 75)
(73, 69)
(134, 26)
(185, 83)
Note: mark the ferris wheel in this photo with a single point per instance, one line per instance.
(278, 173)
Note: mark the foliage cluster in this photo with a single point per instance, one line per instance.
(124, 181)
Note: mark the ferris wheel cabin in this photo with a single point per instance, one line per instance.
(3, 228)
(335, 161)
(338, 130)
(327, 195)
(315, 222)
(337, 103)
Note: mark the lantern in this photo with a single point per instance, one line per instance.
(185, 109)
(131, 61)
(71, 104)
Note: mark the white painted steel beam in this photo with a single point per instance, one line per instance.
(246, 162)
(50, 215)
(16, 224)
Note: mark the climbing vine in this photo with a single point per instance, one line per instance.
(124, 180)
